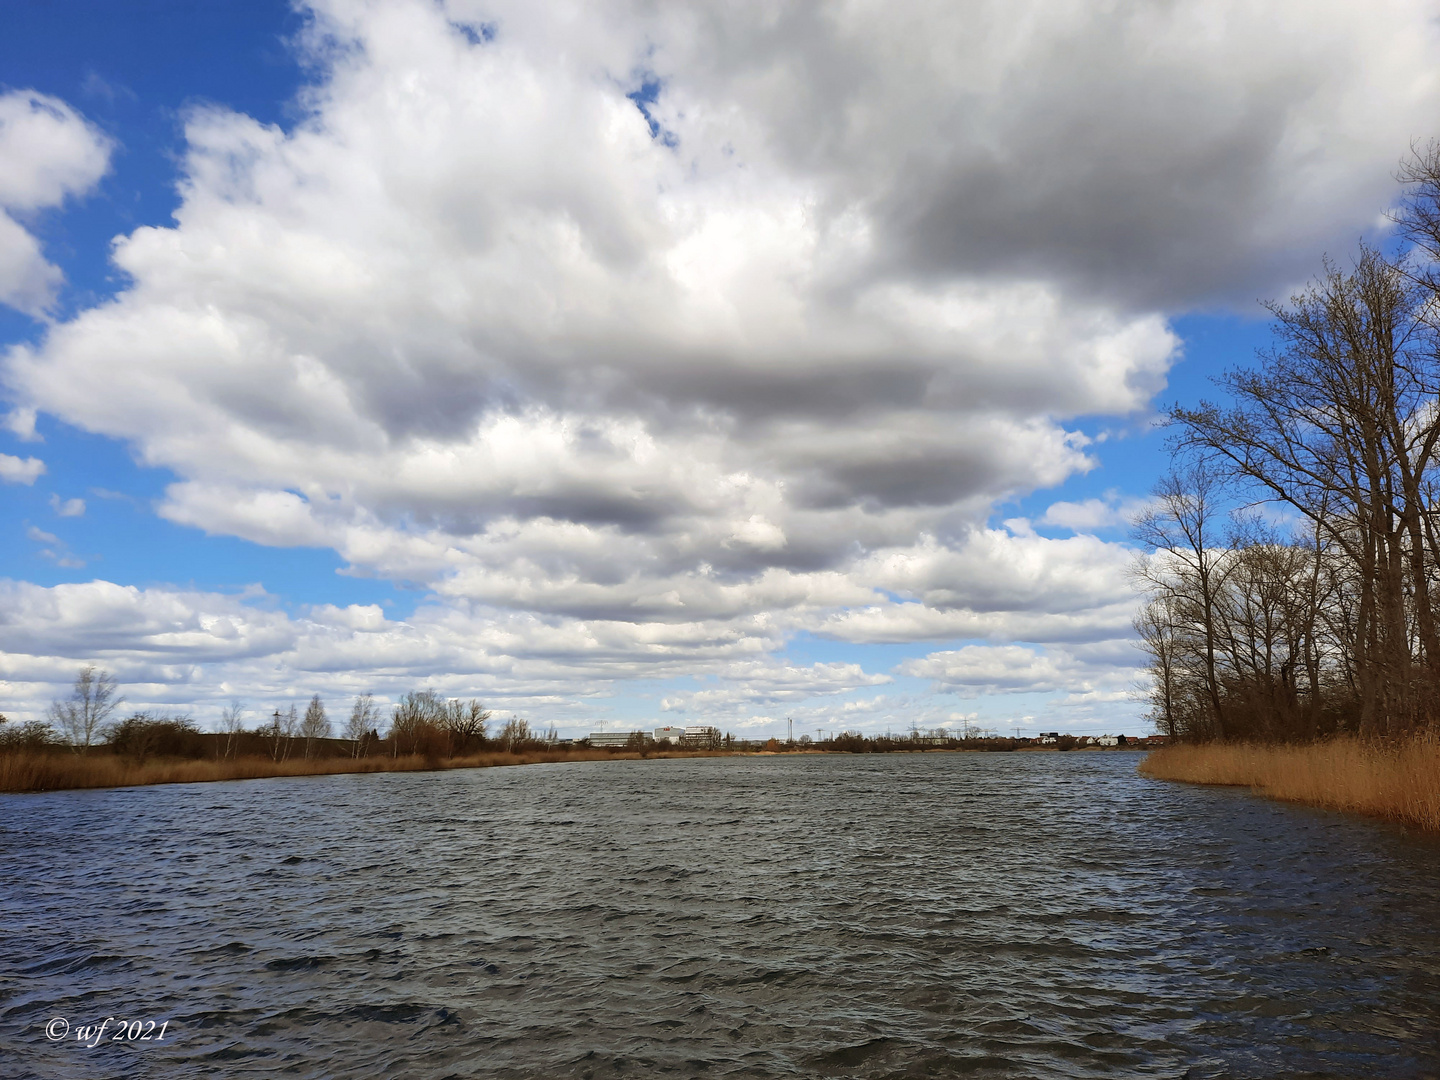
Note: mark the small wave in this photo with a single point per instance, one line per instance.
(299, 963)
(73, 964)
(230, 948)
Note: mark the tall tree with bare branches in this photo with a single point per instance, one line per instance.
(1339, 423)
(316, 725)
(364, 718)
(92, 700)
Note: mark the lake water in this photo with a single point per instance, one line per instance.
(978, 915)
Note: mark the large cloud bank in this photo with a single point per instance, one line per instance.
(691, 329)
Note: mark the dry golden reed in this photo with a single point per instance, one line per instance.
(1399, 781)
(55, 770)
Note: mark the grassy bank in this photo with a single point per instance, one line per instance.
(54, 771)
(1399, 782)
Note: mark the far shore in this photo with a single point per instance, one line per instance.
(1397, 781)
(60, 770)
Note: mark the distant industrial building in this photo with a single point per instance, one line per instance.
(615, 738)
(694, 737)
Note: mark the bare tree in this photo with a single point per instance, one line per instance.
(280, 732)
(464, 721)
(91, 702)
(1187, 566)
(417, 722)
(1155, 624)
(1340, 424)
(1332, 623)
(1264, 629)
(289, 724)
(364, 718)
(1419, 214)
(515, 734)
(316, 724)
(232, 722)
(274, 733)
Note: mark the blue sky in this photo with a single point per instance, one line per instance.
(562, 362)
(133, 71)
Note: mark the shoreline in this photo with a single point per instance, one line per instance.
(32, 772)
(1397, 782)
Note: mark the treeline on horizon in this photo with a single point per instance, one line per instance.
(420, 724)
(1318, 620)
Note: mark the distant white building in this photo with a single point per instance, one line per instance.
(1107, 740)
(669, 734)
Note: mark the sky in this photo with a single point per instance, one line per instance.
(623, 364)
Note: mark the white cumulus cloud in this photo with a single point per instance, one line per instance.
(1114, 511)
(978, 670)
(14, 470)
(48, 153)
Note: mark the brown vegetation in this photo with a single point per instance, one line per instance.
(1399, 781)
(853, 742)
(53, 770)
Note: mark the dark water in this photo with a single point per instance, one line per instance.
(972, 915)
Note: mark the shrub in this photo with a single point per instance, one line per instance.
(32, 735)
(145, 735)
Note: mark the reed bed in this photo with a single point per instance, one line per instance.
(1398, 781)
(58, 770)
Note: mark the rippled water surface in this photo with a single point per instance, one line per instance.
(981, 915)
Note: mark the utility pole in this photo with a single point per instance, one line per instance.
(789, 730)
